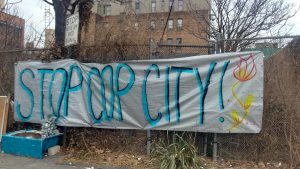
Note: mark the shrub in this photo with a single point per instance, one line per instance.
(180, 154)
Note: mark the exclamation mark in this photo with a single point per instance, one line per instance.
(221, 103)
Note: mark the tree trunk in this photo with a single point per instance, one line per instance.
(60, 21)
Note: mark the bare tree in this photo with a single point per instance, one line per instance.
(240, 19)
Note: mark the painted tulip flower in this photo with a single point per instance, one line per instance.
(245, 70)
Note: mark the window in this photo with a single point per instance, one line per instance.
(125, 2)
(179, 24)
(162, 24)
(170, 41)
(99, 8)
(152, 25)
(170, 3)
(153, 6)
(180, 5)
(107, 10)
(170, 24)
(137, 5)
(178, 41)
(162, 5)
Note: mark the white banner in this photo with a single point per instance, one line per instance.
(213, 93)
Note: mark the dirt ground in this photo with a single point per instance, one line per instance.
(110, 160)
(132, 161)
(16, 162)
(126, 149)
(115, 160)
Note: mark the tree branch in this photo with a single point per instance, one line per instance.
(49, 3)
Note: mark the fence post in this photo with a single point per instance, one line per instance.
(148, 142)
(148, 131)
(215, 148)
(215, 140)
(205, 145)
(64, 140)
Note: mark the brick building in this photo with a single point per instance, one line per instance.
(1, 5)
(146, 19)
(11, 31)
(49, 38)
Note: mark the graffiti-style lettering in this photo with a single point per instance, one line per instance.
(42, 73)
(121, 92)
(70, 88)
(150, 120)
(224, 68)
(111, 91)
(217, 93)
(64, 75)
(167, 91)
(179, 70)
(204, 89)
(29, 93)
(94, 71)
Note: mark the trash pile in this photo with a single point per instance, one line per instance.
(49, 128)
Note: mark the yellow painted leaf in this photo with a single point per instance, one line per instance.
(235, 116)
(248, 101)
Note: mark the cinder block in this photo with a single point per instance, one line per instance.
(53, 150)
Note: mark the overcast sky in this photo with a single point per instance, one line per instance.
(33, 12)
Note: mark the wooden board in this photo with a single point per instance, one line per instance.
(4, 105)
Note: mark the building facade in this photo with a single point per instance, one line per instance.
(11, 31)
(150, 20)
(49, 38)
(2, 5)
(113, 8)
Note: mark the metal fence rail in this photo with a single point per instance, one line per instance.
(177, 51)
(278, 140)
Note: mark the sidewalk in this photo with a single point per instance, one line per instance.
(16, 162)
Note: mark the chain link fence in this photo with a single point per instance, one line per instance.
(278, 141)
(178, 51)
(88, 139)
(8, 60)
(7, 74)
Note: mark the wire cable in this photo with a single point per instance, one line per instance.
(166, 22)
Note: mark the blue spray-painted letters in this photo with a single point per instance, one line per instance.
(150, 120)
(121, 92)
(70, 88)
(64, 77)
(29, 93)
(203, 89)
(179, 70)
